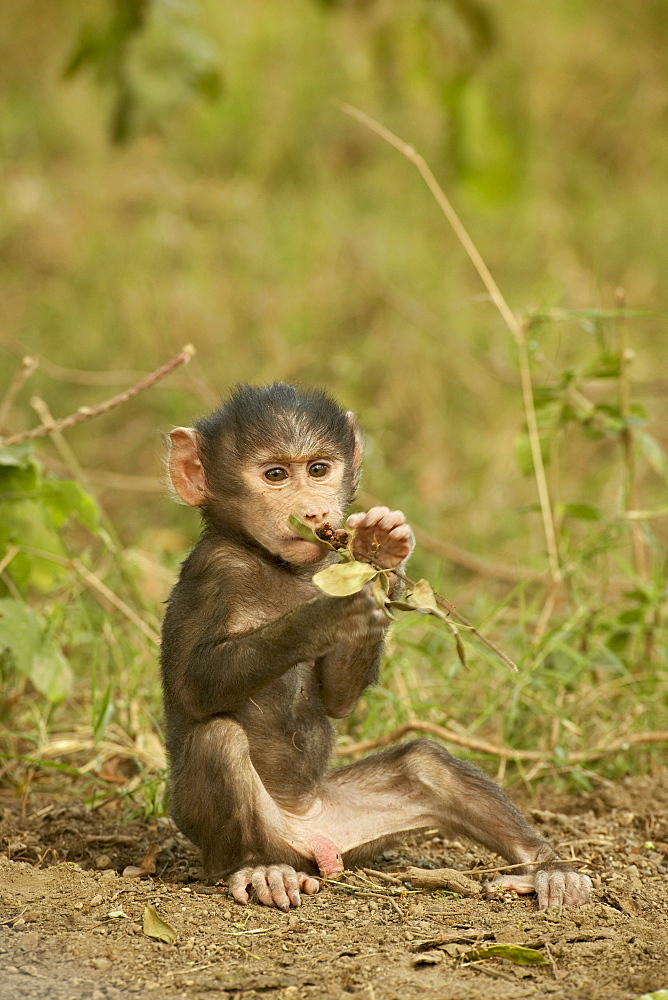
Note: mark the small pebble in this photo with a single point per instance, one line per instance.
(293, 921)
(96, 900)
(29, 941)
(430, 958)
(31, 970)
(102, 862)
(101, 963)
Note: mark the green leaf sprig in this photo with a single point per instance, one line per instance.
(349, 575)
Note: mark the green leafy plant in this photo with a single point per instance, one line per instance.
(151, 57)
(75, 631)
(35, 511)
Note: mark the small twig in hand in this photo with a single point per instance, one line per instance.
(338, 581)
(88, 412)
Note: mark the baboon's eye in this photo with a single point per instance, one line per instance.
(276, 475)
(318, 470)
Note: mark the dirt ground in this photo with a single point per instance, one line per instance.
(71, 926)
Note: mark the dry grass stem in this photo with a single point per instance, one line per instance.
(96, 584)
(28, 367)
(8, 556)
(512, 322)
(482, 746)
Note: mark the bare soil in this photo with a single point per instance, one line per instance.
(71, 924)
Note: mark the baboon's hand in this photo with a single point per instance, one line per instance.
(553, 889)
(274, 885)
(359, 619)
(382, 536)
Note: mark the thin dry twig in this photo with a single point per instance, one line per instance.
(395, 879)
(89, 412)
(514, 325)
(482, 746)
(384, 876)
(112, 838)
(471, 743)
(67, 455)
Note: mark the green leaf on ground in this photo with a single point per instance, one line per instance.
(511, 952)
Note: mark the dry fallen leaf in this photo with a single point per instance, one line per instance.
(147, 866)
(154, 926)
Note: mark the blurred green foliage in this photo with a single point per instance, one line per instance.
(147, 53)
(239, 210)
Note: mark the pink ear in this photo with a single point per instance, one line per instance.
(357, 454)
(185, 466)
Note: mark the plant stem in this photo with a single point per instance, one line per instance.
(627, 442)
(450, 610)
(516, 328)
(28, 367)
